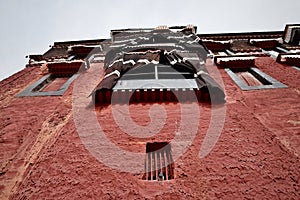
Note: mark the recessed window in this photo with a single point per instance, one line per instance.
(252, 78)
(243, 72)
(159, 164)
(54, 84)
(292, 34)
(48, 85)
(61, 74)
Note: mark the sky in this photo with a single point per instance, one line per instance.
(29, 27)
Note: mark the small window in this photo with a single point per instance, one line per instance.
(48, 85)
(252, 78)
(53, 84)
(61, 74)
(243, 72)
(159, 164)
(292, 34)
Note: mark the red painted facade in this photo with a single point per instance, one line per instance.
(255, 157)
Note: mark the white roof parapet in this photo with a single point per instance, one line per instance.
(265, 40)
(218, 41)
(251, 52)
(162, 27)
(66, 61)
(284, 57)
(228, 59)
(291, 56)
(295, 51)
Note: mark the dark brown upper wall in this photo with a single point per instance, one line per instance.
(80, 42)
(60, 49)
(249, 35)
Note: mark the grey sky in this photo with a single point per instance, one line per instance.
(30, 26)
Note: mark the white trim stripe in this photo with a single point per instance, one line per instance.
(200, 73)
(112, 73)
(146, 61)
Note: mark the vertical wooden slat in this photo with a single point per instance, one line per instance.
(179, 94)
(100, 96)
(191, 96)
(183, 94)
(154, 173)
(138, 95)
(146, 166)
(198, 94)
(150, 166)
(145, 94)
(156, 165)
(152, 95)
(123, 96)
(168, 164)
(168, 94)
(131, 97)
(157, 95)
(164, 171)
(161, 94)
(115, 96)
(108, 96)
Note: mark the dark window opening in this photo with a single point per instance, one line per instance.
(138, 76)
(292, 34)
(174, 75)
(159, 164)
(140, 73)
(296, 37)
(159, 71)
(174, 72)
